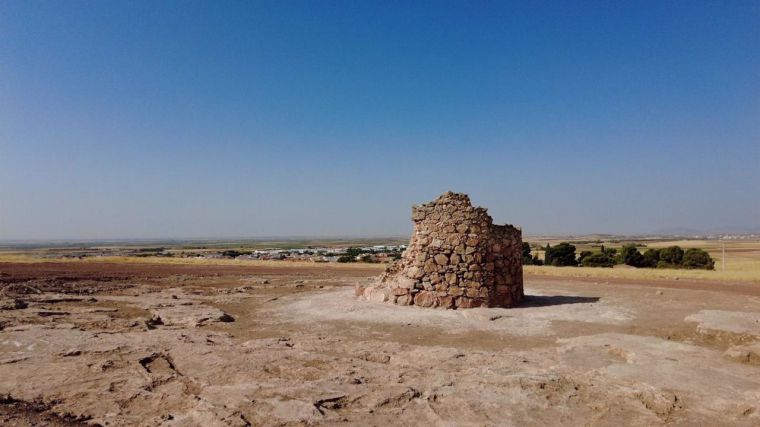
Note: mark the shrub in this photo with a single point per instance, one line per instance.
(598, 259)
(233, 253)
(698, 258)
(663, 264)
(346, 258)
(672, 255)
(562, 255)
(583, 256)
(354, 252)
(612, 253)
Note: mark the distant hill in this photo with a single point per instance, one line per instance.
(685, 231)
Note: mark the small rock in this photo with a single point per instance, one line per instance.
(13, 304)
(375, 357)
(390, 397)
(748, 354)
(226, 318)
(154, 321)
(376, 295)
(48, 313)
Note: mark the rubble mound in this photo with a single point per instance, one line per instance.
(457, 258)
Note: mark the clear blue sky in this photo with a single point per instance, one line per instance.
(239, 119)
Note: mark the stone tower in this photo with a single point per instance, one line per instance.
(457, 258)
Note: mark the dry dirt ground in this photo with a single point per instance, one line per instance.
(181, 345)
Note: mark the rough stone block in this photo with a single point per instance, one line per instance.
(425, 299)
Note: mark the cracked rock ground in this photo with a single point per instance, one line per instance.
(131, 344)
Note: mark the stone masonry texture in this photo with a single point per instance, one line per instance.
(457, 258)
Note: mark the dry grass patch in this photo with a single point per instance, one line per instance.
(624, 272)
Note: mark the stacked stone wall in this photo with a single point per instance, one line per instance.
(457, 258)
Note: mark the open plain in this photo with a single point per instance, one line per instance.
(103, 343)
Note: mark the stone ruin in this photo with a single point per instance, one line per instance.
(457, 258)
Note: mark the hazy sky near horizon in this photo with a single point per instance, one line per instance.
(243, 119)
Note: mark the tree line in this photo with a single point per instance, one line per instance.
(564, 255)
(358, 254)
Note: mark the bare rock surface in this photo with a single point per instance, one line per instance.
(749, 354)
(527, 321)
(665, 365)
(727, 321)
(573, 353)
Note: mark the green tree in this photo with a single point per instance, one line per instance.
(525, 249)
(651, 258)
(526, 255)
(698, 258)
(672, 255)
(612, 253)
(630, 255)
(354, 252)
(562, 255)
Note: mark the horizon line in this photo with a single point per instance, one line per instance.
(341, 237)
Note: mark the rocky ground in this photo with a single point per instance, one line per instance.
(131, 344)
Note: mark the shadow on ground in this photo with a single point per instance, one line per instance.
(546, 300)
